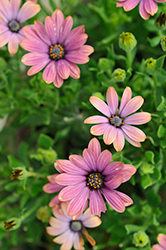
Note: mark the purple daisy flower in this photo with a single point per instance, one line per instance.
(92, 177)
(117, 124)
(146, 7)
(11, 19)
(56, 47)
(68, 231)
(162, 240)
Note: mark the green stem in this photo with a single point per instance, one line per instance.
(129, 60)
(33, 174)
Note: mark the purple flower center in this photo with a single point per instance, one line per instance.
(56, 52)
(116, 121)
(76, 225)
(14, 26)
(95, 180)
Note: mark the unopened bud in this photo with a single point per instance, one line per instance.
(19, 173)
(163, 43)
(127, 41)
(12, 224)
(119, 75)
(43, 214)
(161, 21)
(140, 239)
(150, 66)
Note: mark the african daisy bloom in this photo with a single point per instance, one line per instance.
(52, 187)
(146, 7)
(117, 124)
(68, 231)
(92, 177)
(162, 240)
(11, 19)
(57, 48)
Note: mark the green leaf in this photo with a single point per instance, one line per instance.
(161, 131)
(45, 141)
(146, 181)
(160, 62)
(163, 143)
(14, 163)
(154, 41)
(146, 168)
(133, 228)
(150, 156)
(162, 105)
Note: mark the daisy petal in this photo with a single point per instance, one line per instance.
(119, 140)
(63, 69)
(110, 135)
(58, 81)
(134, 133)
(49, 72)
(13, 44)
(33, 58)
(99, 129)
(100, 105)
(65, 29)
(5, 37)
(36, 68)
(97, 204)
(70, 192)
(126, 97)
(28, 10)
(133, 105)
(103, 160)
(112, 100)
(96, 119)
(67, 179)
(94, 145)
(138, 118)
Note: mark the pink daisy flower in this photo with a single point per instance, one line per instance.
(34, 1)
(68, 231)
(56, 47)
(117, 123)
(146, 7)
(11, 19)
(162, 240)
(93, 177)
(52, 187)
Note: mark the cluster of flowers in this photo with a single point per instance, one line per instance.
(90, 179)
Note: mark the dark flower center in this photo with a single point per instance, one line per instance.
(76, 225)
(95, 180)
(9, 224)
(116, 121)
(56, 52)
(14, 26)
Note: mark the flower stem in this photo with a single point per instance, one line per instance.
(33, 174)
(129, 60)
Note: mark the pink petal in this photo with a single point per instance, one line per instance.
(89, 158)
(119, 140)
(76, 204)
(5, 7)
(113, 200)
(52, 188)
(115, 182)
(138, 118)
(65, 29)
(64, 238)
(15, 5)
(28, 10)
(30, 33)
(94, 145)
(96, 119)
(55, 231)
(73, 35)
(144, 14)
(58, 81)
(125, 198)
(86, 49)
(35, 46)
(5, 37)
(74, 70)
(132, 142)
(76, 57)
(110, 134)
(58, 224)
(134, 133)
(79, 161)
(77, 242)
(49, 72)
(99, 129)
(97, 204)
(130, 4)
(54, 201)
(58, 20)
(67, 179)
(90, 220)
(70, 192)
(100, 105)
(112, 100)
(150, 7)
(162, 239)
(58, 212)
(34, 58)
(77, 43)
(79, 213)
(3, 28)
(103, 160)
(13, 44)
(69, 242)
(112, 169)
(36, 68)
(157, 247)
(63, 69)
(70, 168)
(126, 97)
(50, 30)
(133, 105)
(127, 171)
(41, 32)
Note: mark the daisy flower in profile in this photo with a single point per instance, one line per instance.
(146, 7)
(11, 19)
(162, 240)
(92, 177)
(57, 48)
(117, 124)
(68, 231)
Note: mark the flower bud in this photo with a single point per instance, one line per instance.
(163, 43)
(19, 173)
(119, 75)
(12, 224)
(43, 214)
(150, 66)
(140, 239)
(161, 21)
(127, 41)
